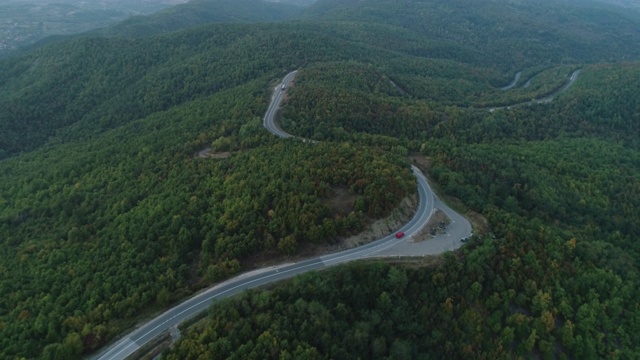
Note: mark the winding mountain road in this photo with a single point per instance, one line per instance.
(543, 100)
(276, 99)
(513, 83)
(386, 246)
(563, 88)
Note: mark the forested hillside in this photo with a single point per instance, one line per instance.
(107, 213)
(111, 175)
(23, 23)
(504, 33)
(199, 12)
(558, 276)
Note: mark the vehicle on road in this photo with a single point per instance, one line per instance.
(463, 240)
(144, 334)
(283, 87)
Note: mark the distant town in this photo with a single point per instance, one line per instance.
(24, 22)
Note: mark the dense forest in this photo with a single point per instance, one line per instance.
(198, 12)
(494, 33)
(24, 27)
(137, 197)
(107, 213)
(558, 276)
(23, 23)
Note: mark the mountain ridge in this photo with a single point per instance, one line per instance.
(107, 214)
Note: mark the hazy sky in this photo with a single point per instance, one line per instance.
(106, 3)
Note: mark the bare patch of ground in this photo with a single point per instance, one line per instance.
(207, 153)
(422, 162)
(433, 225)
(479, 222)
(400, 216)
(341, 201)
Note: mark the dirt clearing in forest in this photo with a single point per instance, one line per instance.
(341, 202)
(376, 230)
(381, 228)
(433, 227)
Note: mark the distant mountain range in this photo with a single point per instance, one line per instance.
(25, 22)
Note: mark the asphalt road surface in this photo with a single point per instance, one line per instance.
(193, 306)
(385, 246)
(563, 88)
(547, 99)
(276, 99)
(513, 83)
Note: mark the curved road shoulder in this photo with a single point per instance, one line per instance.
(278, 95)
(546, 99)
(199, 303)
(513, 83)
(191, 307)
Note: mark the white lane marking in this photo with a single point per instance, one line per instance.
(387, 244)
